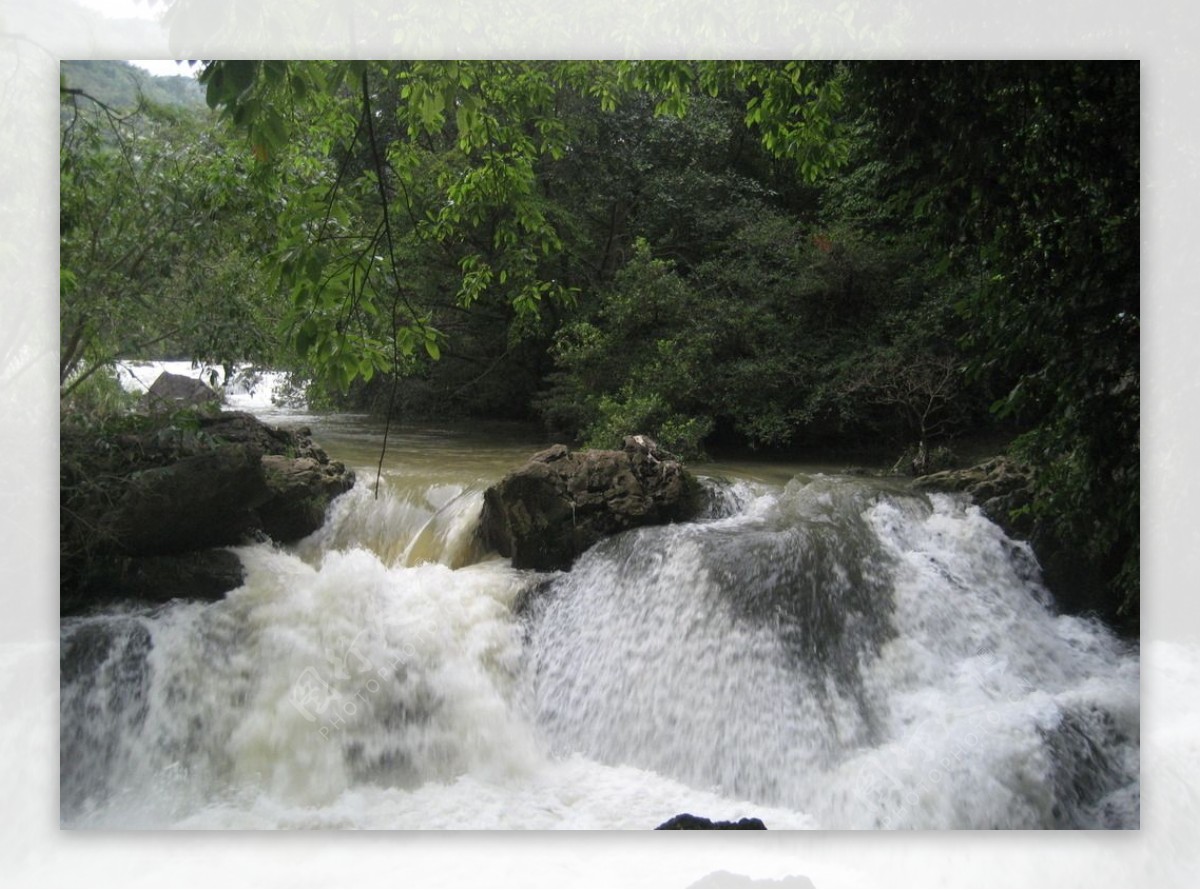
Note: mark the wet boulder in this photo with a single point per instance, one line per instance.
(205, 500)
(299, 477)
(228, 481)
(203, 575)
(199, 575)
(561, 502)
(241, 428)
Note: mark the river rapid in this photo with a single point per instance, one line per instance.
(819, 651)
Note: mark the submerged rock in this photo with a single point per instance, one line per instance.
(688, 822)
(549, 511)
(87, 647)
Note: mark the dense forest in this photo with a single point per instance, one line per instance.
(889, 261)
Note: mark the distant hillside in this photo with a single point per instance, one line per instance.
(117, 84)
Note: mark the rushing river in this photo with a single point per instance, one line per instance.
(820, 651)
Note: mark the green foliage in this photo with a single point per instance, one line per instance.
(628, 411)
(159, 242)
(769, 326)
(97, 399)
(471, 149)
(632, 370)
(792, 106)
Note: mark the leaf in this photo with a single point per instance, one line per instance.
(214, 80)
(306, 336)
(240, 77)
(432, 105)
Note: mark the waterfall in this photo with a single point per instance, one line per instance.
(829, 653)
(873, 658)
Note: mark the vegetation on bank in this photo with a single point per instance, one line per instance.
(753, 254)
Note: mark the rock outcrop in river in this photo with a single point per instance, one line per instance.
(999, 486)
(560, 503)
(145, 510)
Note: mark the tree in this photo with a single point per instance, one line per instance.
(157, 241)
(922, 387)
(453, 158)
(743, 304)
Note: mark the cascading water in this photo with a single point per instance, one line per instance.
(870, 657)
(830, 653)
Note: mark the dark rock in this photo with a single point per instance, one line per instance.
(209, 500)
(228, 481)
(171, 392)
(301, 490)
(166, 489)
(560, 503)
(203, 575)
(240, 428)
(688, 822)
